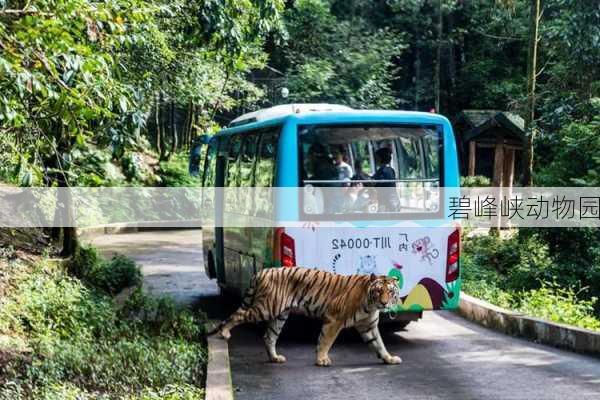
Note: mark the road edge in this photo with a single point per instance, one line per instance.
(133, 227)
(518, 324)
(218, 370)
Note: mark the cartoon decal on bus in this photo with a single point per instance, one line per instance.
(357, 169)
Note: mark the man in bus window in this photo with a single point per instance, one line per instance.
(344, 169)
(321, 164)
(359, 174)
(388, 198)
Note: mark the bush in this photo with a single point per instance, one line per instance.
(561, 305)
(514, 274)
(49, 303)
(175, 173)
(576, 257)
(115, 275)
(519, 263)
(110, 276)
(82, 346)
(161, 316)
(85, 259)
(475, 181)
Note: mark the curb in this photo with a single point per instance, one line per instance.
(141, 226)
(218, 371)
(518, 324)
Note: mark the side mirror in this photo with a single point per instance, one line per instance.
(196, 154)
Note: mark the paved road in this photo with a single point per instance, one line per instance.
(171, 261)
(445, 357)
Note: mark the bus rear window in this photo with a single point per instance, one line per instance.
(378, 169)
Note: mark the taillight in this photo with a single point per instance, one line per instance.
(285, 248)
(452, 261)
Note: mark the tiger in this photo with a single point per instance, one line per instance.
(340, 301)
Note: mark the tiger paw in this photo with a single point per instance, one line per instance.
(392, 359)
(278, 358)
(225, 334)
(323, 361)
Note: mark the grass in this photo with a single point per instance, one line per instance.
(174, 173)
(61, 338)
(516, 274)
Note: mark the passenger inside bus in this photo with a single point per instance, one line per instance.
(388, 198)
(380, 169)
(344, 169)
(359, 174)
(320, 164)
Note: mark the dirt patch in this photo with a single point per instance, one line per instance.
(23, 242)
(24, 245)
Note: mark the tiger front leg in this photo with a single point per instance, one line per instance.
(274, 328)
(371, 336)
(329, 333)
(240, 316)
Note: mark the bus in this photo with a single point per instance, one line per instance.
(314, 148)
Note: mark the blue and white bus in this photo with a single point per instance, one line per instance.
(315, 146)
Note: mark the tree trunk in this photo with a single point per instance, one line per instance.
(70, 241)
(451, 75)
(186, 127)
(157, 123)
(531, 80)
(191, 124)
(174, 138)
(417, 74)
(163, 148)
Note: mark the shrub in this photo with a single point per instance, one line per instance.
(85, 259)
(51, 303)
(558, 304)
(110, 276)
(576, 257)
(161, 316)
(175, 173)
(520, 262)
(514, 274)
(82, 346)
(124, 364)
(114, 275)
(475, 181)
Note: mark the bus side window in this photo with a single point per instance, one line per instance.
(247, 158)
(232, 177)
(431, 144)
(265, 172)
(363, 159)
(208, 179)
(265, 167)
(409, 158)
(247, 166)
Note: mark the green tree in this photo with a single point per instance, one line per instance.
(75, 74)
(339, 58)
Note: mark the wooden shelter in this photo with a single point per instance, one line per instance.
(492, 144)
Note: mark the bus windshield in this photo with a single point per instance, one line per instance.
(377, 169)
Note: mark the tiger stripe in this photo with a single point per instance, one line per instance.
(341, 301)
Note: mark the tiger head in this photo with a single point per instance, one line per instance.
(383, 291)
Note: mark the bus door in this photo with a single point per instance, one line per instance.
(208, 207)
(221, 163)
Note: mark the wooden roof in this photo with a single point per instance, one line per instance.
(480, 121)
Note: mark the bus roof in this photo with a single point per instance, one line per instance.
(327, 113)
(283, 111)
